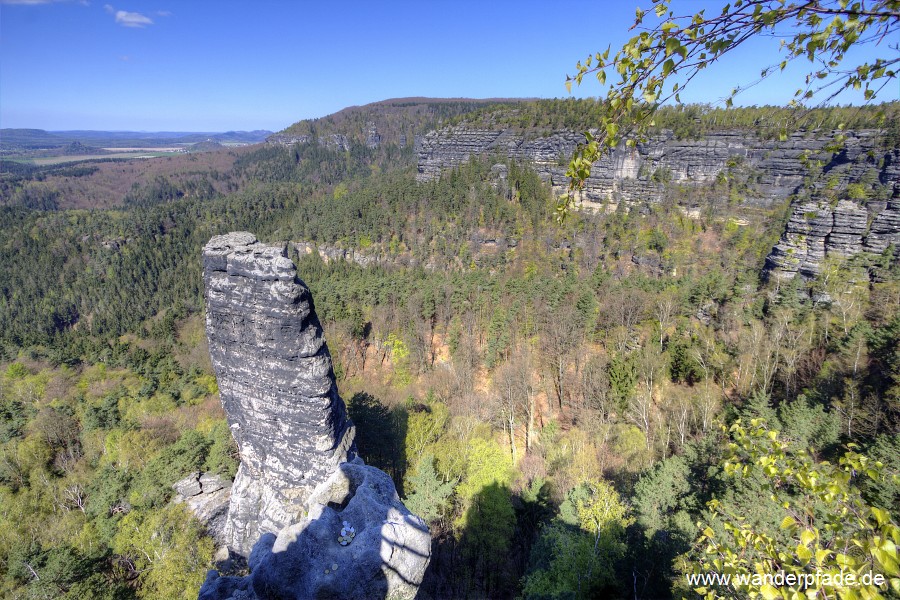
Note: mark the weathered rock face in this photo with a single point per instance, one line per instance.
(373, 138)
(276, 384)
(885, 228)
(207, 496)
(816, 229)
(332, 141)
(330, 253)
(772, 168)
(357, 541)
(342, 531)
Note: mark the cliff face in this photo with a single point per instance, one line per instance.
(342, 531)
(276, 384)
(332, 141)
(818, 228)
(773, 169)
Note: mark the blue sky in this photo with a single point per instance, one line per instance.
(229, 65)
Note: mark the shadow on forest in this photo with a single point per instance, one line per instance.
(380, 435)
(498, 541)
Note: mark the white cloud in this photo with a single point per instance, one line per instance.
(128, 19)
(132, 19)
(163, 13)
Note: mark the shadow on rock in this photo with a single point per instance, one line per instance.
(357, 540)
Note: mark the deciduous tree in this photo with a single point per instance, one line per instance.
(827, 526)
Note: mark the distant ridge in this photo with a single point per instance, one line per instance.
(427, 100)
(34, 139)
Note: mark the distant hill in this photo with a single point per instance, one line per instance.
(397, 120)
(79, 149)
(30, 138)
(206, 146)
(33, 139)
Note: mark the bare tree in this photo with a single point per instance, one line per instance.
(595, 389)
(621, 312)
(74, 496)
(680, 413)
(707, 402)
(527, 392)
(504, 385)
(665, 311)
(847, 290)
(860, 415)
(795, 343)
(651, 365)
(759, 356)
(560, 333)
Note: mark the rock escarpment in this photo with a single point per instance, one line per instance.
(330, 253)
(332, 141)
(295, 440)
(818, 228)
(772, 169)
(885, 228)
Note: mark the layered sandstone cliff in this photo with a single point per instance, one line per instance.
(771, 169)
(818, 228)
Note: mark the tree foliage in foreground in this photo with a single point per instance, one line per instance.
(168, 548)
(828, 529)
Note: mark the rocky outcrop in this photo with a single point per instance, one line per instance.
(818, 228)
(332, 141)
(207, 496)
(276, 384)
(283, 139)
(330, 253)
(326, 527)
(452, 146)
(373, 138)
(357, 540)
(771, 169)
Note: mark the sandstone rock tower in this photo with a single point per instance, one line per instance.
(342, 531)
(276, 384)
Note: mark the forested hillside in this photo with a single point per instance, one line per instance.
(396, 121)
(590, 409)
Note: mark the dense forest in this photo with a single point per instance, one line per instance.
(598, 408)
